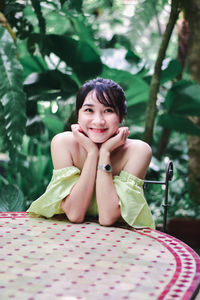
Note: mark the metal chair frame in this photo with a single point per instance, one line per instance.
(168, 177)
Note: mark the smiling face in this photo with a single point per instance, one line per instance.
(98, 122)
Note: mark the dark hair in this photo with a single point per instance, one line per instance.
(108, 92)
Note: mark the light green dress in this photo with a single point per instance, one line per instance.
(134, 208)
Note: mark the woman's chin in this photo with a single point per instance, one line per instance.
(98, 140)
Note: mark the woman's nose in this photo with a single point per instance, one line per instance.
(99, 119)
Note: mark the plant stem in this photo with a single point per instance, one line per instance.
(4, 23)
(155, 81)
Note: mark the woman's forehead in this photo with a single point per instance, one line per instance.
(93, 98)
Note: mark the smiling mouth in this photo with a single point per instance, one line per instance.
(98, 130)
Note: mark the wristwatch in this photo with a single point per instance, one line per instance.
(106, 168)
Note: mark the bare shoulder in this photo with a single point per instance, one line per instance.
(62, 146)
(138, 158)
(140, 147)
(62, 138)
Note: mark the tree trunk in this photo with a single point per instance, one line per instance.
(163, 142)
(155, 81)
(194, 67)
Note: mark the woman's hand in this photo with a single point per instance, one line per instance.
(83, 140)
(116, 141)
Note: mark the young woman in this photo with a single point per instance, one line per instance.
(98, 171)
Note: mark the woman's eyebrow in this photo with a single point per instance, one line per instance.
(88, 104)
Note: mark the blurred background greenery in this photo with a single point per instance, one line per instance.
(49, 48)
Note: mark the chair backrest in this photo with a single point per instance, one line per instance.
(168, 177)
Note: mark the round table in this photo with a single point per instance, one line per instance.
(54, 259)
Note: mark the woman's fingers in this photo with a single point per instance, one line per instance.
(118, 140)
(82, 139)
(77, 131)
(124, 132)
(75, 127)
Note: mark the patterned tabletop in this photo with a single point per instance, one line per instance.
(54, 259)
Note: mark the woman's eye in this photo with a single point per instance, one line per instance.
(88, 110)
(110, 110)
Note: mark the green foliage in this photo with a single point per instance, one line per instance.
(31, 63)
(79, 55)
(56, 64)
(11, 198)
(145, 10)
(147, 23)
(16, 19)
(48, 85)
(178, 123)
(76, 4)
(135, 87)
(12, 97)
(42, 23)
(180, 204)
(53, 123)
(61, 45)
(171, 70)
(37, 168)
(182, 100)
(33, 173)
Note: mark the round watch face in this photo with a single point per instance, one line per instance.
(107, 168)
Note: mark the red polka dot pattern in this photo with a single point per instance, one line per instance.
(53, 259)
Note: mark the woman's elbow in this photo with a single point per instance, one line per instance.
(72, 215)
(75, 218)
(106, 221)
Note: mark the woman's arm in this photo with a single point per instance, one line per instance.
(76, 204)
(137, 162)
(107, 198)
(139, 158)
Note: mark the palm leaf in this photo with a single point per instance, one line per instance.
(145, 11)
(11, 199)
(12, 97)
